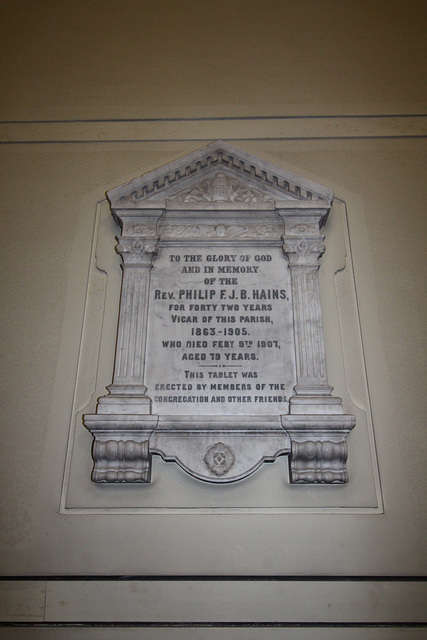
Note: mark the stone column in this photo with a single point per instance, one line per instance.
(127, 392)
(123, 424)
(312, 389)
(316, 424)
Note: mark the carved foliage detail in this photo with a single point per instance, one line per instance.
(221, 188)
(145, 228)
(121, 461)
(304, 251)
(219, 458)
(318, 462)
(140, 251)
(232, 231)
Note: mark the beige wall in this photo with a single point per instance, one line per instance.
(144, 58)
(73, 61)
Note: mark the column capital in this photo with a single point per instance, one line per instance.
(304, 251)
(138, 251)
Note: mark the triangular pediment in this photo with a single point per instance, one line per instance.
(216, 175)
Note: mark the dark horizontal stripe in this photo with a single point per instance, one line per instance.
(225, 625)
(212, 578)
(159, 140)
(216, 118)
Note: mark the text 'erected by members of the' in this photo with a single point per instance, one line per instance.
(220, 332)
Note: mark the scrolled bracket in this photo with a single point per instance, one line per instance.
(121, 461)
(318, 462)
(318, 448)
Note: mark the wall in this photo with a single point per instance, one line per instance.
(95, 94)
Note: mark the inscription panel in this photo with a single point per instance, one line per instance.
(220, 336)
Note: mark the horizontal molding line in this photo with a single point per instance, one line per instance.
(214, 578)
(223, 625)
(219, 118)
(316, 128)
(263, 139)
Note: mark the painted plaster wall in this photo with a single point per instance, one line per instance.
(64, 62)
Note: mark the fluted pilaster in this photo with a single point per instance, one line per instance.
(131, 336)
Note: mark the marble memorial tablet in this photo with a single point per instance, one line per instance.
(220, 363)
(220, 335)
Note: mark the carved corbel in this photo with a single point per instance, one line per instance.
(318, 448)
(121, 447)
(121, 461)
(318, 462)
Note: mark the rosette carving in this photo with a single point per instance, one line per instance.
(219, 458)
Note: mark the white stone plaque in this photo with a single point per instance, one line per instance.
(220, 333)
(220, 361)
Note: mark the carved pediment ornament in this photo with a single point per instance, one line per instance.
(220, 360)
(221, 188)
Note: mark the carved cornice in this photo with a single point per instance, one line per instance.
(153, 189)
(249, 180)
